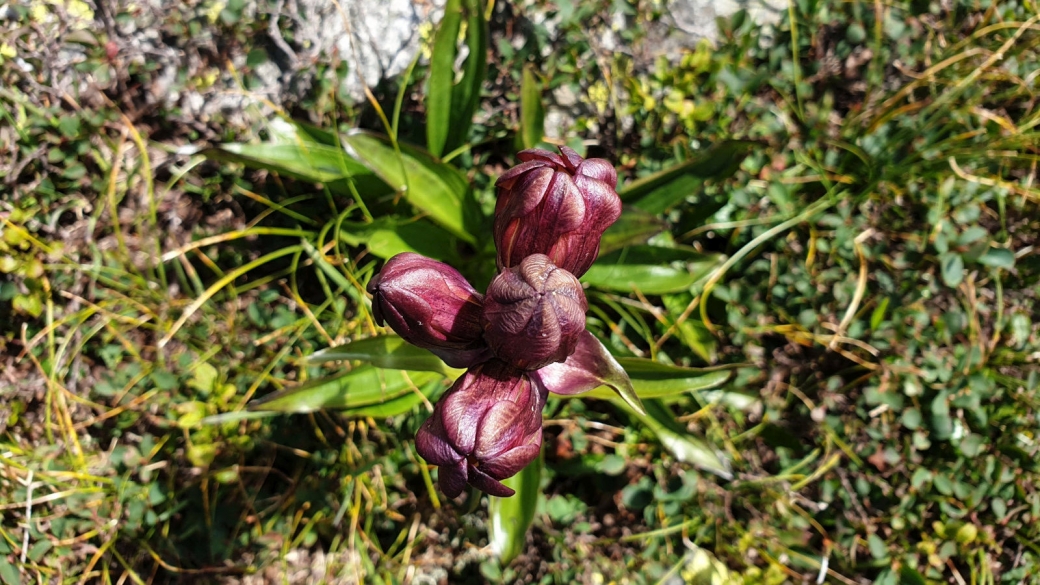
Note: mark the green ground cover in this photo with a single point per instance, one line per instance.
(828, 251)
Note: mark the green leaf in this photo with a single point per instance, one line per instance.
(651, 269)
(532, 113)
(649, 379)
(466, 95)
(692, 331)
(877, 547)
(909, 576)
(442, 78)
(952, 266)
(439, 190)
(8, 572)
(635, 226)
(663, 190)
(364, 386)
(998, 258)
(389, 235)
(652, 380)
(510, 518)
(385, 351)
(307, 161)
(683, 446)
(449, 105)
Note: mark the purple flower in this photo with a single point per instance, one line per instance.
(486, 428)
(535, 313)
(522, 340)
(557, 205)
(431, 305)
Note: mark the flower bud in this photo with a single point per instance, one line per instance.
(486, 428)
(555, 205)
(534, 313)
(430, 304)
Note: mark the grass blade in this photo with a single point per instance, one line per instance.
(532, 112)
(442, 78)
(665, 189)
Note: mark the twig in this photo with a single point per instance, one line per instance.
(276, 35)
(28, 514)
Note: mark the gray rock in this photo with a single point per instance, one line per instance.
(378, 39)
(695, 19)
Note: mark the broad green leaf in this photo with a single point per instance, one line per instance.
(363, 386)
(510, 518)
(388, 236)
(442, 78)
(449, 105)
(663, 190)
(311, 162)
(399, 405)
(303, 153)
(9, 573)
(385, 351)
(649, 379)
(952, 267)
(532, 112)
(439, 190)
(651, 269)
(652, 380)
(684, 446)
(391, 407)
(635, 226)
(998, 258)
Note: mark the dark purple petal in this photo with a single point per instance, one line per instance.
(488, 484)
(485, 429)
(433, 444)
(598, 169)
(511, 462)
(571, 158)
(453, 478)
(534, 313)
(557, 205)
(540, 155)
(500, 430)
(430, 304)
(506, 179)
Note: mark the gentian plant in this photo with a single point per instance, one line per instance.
(526, 336)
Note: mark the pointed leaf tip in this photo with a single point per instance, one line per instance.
(589, 367)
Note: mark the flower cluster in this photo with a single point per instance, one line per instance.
(525, 337)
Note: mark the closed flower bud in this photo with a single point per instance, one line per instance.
(535, 313)
(485, 429)
(555, 205)
(430, 304)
